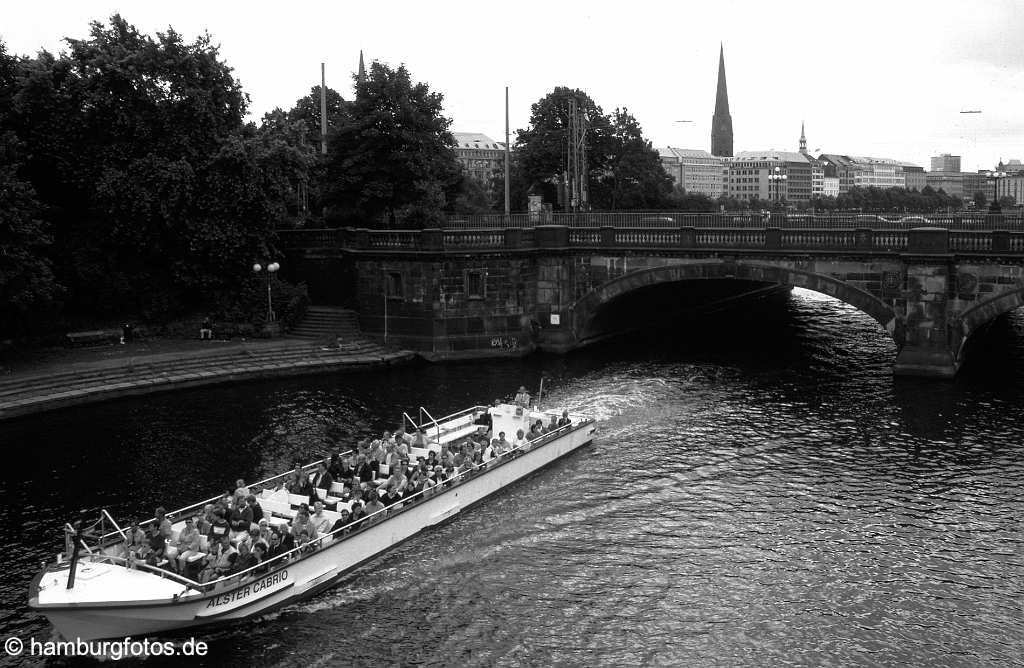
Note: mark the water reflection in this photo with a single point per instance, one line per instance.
(762, 491)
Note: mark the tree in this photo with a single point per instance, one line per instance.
(633, 177)
(980, 201)
(392, 157)
(27, 285)
(541, 148)
(156, 192)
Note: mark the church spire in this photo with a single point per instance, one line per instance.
(803, 139)
(361, 77)
(721, 122)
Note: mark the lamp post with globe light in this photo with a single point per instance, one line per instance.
(778, 178)
(271, 269)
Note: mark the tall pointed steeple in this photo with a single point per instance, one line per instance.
(721, 122)
(361, 77)
(803, 139)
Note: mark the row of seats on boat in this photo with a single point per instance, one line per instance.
(309, 509)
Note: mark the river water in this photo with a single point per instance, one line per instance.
(762, 491)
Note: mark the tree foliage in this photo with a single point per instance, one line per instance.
(541, 149)
(633, 177)
(392, 157)
(157, 194)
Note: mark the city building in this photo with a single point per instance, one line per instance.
(974, 182)
(1011, 185)
(753, 175)
(479, 155)
(721, 122)
(913, 176)
(952, 183)
(946, 163)
(830, 186)
(839, 167)
(695, 171)
(1014, 166)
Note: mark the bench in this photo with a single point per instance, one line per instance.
(96, 337)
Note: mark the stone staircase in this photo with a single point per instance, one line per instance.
(324, 323)
(27, 393)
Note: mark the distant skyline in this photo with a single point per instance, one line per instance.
(885, 79)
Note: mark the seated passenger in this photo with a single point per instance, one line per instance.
(341, 526)
(372, 506)
(335, 467)
(241, 492)
(502, 446)
(553, 425)
(256, 508)
(391, 495)
(246, 558)
(432, 460)
(364, 471)
(205, 520)
(240, 516)
(520, 443)
(163, 522)
(358, 513)
(220, 560)
(157, 546)
(322, 479)
(188, 544)
(536, 431)
(322, 523)
(259, 550)
(219, 527)
(275, 547)
(302, 524)
(564, 420)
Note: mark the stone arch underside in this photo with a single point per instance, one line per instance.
(987, 311)
(586, 308)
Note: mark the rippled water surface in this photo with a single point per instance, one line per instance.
(761, 492)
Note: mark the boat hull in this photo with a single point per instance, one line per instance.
(312, 573)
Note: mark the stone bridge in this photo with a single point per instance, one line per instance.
(458, 293)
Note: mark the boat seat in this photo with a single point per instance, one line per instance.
(297, 499)
(277, 521)
(196, 557)
(337, 488)
(383, 470)
(332, 500)
(204, 543)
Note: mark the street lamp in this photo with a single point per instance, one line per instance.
(778, 179)
(271, 268)
(995, 190)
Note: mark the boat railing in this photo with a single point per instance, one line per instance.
(103, 558)
(367, 521)
(189, 510)
(437, 426)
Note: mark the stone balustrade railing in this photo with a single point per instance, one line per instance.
(925, 240)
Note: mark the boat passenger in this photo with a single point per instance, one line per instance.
(264, 529)
(431, 459)
(257, 509)
(341, 525)
(259, 550)
(419, 440)
(220, 560)
(301, 523)
(364, 470)
(157, 548)
(372, 506)
(219, 527)
(187, 545)
(503, 445)
(536, 431)
(553, 425)
(358, 513)
(241, 492)
(564, 421)
(241, 516)
(275, 548)
(246, 558)
(323, 479)
(321, 522)
(391, 494)
(522, 397)
(163, 522)
(334, 467)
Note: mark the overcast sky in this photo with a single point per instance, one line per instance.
(879, 78)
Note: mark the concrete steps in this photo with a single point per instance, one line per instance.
(21, 394)
(327, 323)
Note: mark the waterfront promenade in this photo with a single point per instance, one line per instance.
(55, 378)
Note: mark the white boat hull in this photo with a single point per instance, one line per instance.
(305, 576)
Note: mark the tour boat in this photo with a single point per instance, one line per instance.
(95, 590)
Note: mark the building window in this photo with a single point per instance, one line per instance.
(393, 285)
(476, 284)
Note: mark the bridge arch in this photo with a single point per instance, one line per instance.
(981, 314)
(586, 308)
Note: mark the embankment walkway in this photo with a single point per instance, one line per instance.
(60, 378)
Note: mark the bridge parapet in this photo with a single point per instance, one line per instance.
(918, 241)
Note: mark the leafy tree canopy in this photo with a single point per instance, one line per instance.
(392, 157)
(634, 177)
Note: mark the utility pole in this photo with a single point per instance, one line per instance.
(323, 110)
(508, 205)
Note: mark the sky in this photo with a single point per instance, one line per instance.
(877, 78)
